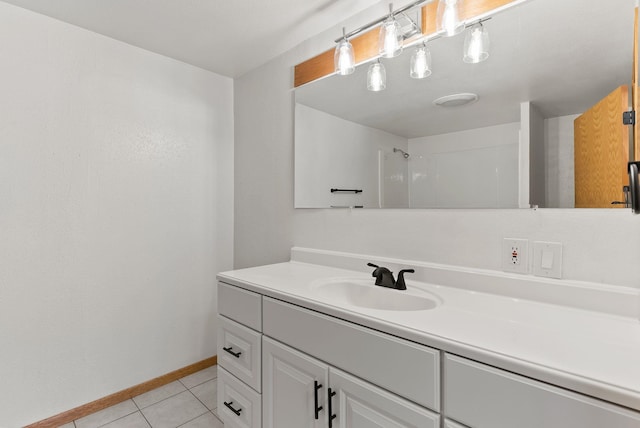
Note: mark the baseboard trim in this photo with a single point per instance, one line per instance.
(125, 394)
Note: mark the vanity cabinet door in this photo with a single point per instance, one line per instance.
(293, 385)
(358, 404)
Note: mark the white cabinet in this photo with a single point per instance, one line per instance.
(295, 388)
(239, 357)
(238, 405)
(302, 392)
(358, 404)
(285, 366)
(405, 368)
(239, 351)
(481, 396)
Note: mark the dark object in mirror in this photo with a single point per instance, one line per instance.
(634, 191)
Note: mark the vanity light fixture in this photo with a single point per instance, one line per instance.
(476, 44)
(344, 58)
(448, 17)
(390, 38)
(376, 77)
(420, 62)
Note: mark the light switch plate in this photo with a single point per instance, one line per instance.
(547, 259)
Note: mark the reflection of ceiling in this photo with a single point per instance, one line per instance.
(228, 37)
(562, 55)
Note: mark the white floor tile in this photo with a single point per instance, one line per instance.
(159, 394)
(134, 420)
(69, 425)
(107, 415)
(207, 393)
(200, 377)
(174, 411)
(205, 421)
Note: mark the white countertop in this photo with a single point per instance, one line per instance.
(594, 353)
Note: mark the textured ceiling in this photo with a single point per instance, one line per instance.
(229, 37)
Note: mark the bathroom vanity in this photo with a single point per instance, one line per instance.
(314, 343)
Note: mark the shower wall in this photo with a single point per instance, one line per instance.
(477, 168)
(331, 152)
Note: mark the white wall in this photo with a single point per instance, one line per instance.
(115, 214)
(394, 177)
(560, 179)
(477, 168)
(599, 245)
(335, 153)
(532, 123)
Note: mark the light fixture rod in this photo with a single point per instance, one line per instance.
(437, 36)
(479, 21)
(380, 20)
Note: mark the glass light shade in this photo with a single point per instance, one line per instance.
(390, 38)
(344, 58)
(476, 45)
(420, 63)
(376, 77)
(448, 17)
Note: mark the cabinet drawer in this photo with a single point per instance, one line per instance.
(402, 367)
(485, 397)
(238, 405)
(240, 305)
(239, 351)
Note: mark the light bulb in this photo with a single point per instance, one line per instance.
(390, 38)
(420, 63)
(448, 17)
(344, 58)
(476, 45)
(376, 77)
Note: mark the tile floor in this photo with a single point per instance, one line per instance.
(187, 403)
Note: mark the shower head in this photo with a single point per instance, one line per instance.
(405, 154)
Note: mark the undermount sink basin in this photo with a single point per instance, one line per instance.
(364, 294)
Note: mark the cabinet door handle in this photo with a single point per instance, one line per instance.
(230, 407)
(230, 350)
(331, 415)
(316, 387)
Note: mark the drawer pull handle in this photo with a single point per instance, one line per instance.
(316, 387)
(230, 407)
(230, 350)
(331, 415)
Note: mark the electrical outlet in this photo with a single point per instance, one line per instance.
(515, 255)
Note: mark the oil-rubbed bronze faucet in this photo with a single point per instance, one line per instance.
(384, 277)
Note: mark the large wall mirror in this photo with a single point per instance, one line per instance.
(551, 64)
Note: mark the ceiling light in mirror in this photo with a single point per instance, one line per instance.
(476, 44)
(344, 58)
(456, 100)
(376, 77)
(390, 38)
(448, 17)
(420, 63)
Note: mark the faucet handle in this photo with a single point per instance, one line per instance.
(383, 276)
(400, 285)
(376, 271)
